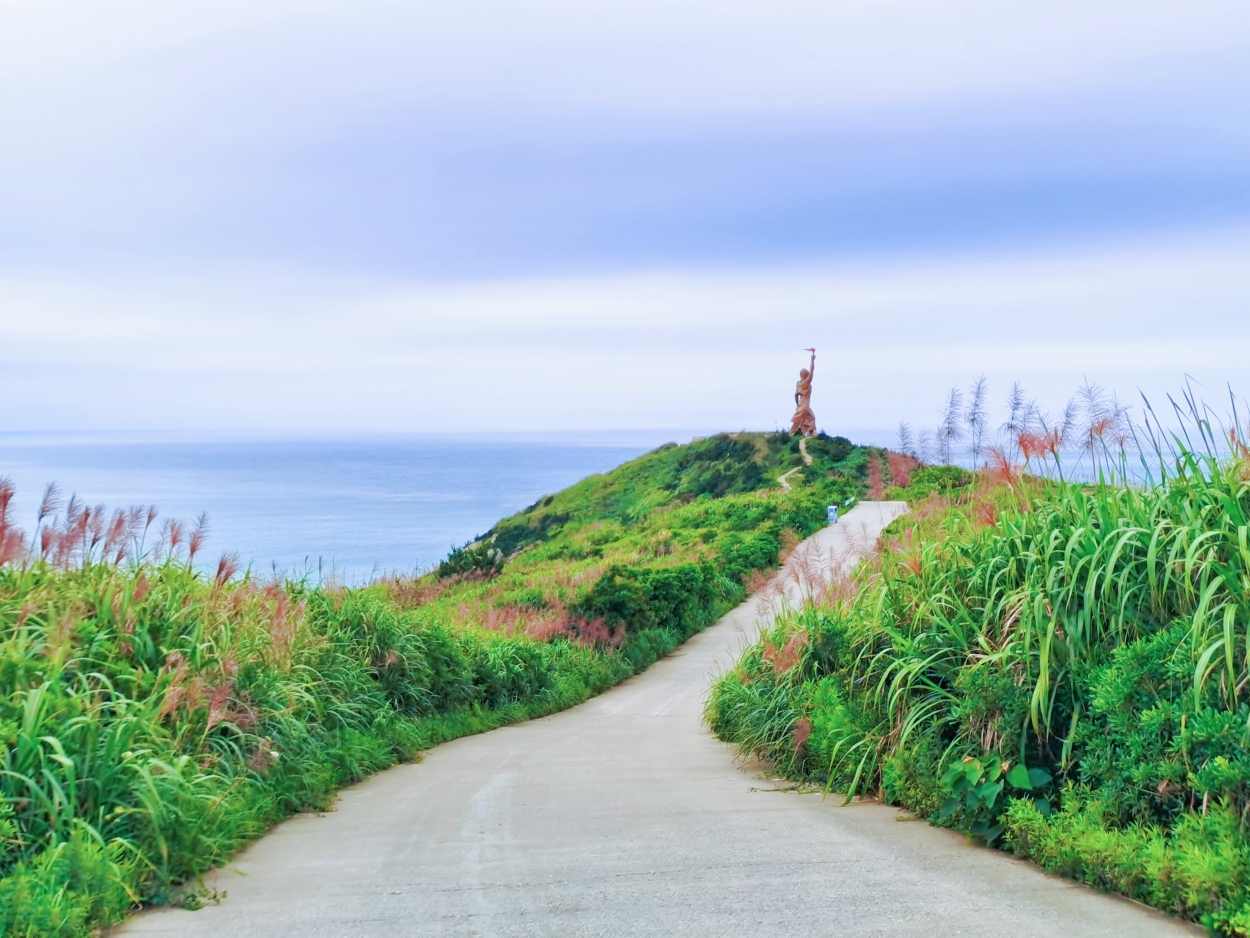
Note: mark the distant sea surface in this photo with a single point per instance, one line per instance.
(351, 508)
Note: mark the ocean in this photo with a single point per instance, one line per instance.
(348, 509)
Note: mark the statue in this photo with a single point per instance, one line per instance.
(804, 421)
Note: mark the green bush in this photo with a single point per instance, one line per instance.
(927, 480)
(473, 559)
(683, 598)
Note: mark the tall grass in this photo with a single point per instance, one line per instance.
(1061, 668)
(1094, 434)
(155, 719)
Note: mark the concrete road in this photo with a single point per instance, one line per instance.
(624, 817)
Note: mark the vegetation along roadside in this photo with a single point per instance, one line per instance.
(1056, 668)
(155, 717)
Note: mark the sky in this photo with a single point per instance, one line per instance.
(545, 215)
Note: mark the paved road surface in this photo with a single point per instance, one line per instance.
(624, 817)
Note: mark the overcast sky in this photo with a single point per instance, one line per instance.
(334, 216)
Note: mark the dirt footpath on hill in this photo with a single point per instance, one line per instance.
(625, 817)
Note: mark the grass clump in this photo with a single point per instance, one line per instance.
(155, 718)
(1056, 668)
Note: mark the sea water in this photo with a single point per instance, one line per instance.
(347, 508)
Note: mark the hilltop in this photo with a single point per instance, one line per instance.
(714, 467)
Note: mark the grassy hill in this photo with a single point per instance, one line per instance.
(640, 557)
(154, 718)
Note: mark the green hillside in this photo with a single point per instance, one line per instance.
(640, 557)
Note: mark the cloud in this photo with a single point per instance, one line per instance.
(709, 349)
(476, 139)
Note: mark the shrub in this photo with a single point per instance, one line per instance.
(481, 559)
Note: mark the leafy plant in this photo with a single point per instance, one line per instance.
(973, 786)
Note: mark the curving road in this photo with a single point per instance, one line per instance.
(624, 817)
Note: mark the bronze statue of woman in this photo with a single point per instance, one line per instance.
(804, 421)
